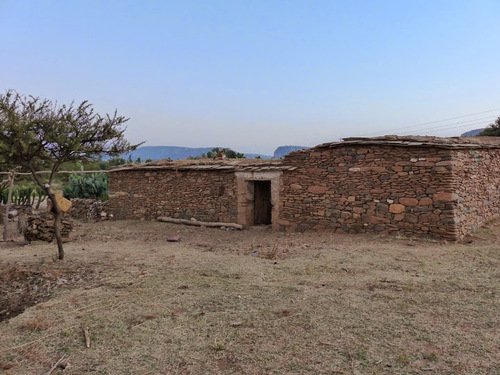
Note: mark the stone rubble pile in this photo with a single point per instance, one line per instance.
(41, 227)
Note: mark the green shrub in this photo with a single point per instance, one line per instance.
(90, 186)
(25, 195)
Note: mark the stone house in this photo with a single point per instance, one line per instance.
(411, 186)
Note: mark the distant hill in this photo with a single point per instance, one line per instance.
(174, 153)
(253, 156)
(285, 150)
(472, 133)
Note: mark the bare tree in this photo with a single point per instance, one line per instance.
(39, 134)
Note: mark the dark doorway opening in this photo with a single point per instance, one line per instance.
(262, 202)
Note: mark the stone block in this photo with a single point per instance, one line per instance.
(381, 207)
(346, 214)
(446, 197)
(440, 170)
(444, 163)
(424, 164)
(425, 202)
(410, 218)
(316, 170)
(317, 189)
(332, 213)
(396, 208)
(412, 202)
(428, 218)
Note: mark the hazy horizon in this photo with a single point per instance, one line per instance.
(256, 75)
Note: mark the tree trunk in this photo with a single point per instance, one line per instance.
(57, 224)
(7, 207)
(57, 232)
(55, 206)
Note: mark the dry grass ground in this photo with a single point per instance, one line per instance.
(256, 302)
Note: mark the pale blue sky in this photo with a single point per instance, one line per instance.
(253, 75)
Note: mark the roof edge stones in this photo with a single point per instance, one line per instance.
(417, 141)
(226, 165)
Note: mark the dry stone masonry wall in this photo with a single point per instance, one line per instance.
(384, 189)
(89, 210)
(203, 195)
(408, 186)
(478, 188)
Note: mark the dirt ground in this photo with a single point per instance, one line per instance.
(249, 302)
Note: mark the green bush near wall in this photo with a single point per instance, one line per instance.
(90, 186)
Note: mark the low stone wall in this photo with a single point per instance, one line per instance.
(89, 210)
(385, 189)
(205, 195)
(478, 187)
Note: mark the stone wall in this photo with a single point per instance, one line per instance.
(439, 190)
(478, 187)
(89, 210)
(206, 195)
(380, 189)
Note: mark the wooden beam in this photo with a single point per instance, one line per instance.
(198, 223)
(48, 172)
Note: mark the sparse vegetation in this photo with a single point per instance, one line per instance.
(216, 151)
(493, 130)
(237, 302)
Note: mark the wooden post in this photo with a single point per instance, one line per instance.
(7, 206)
